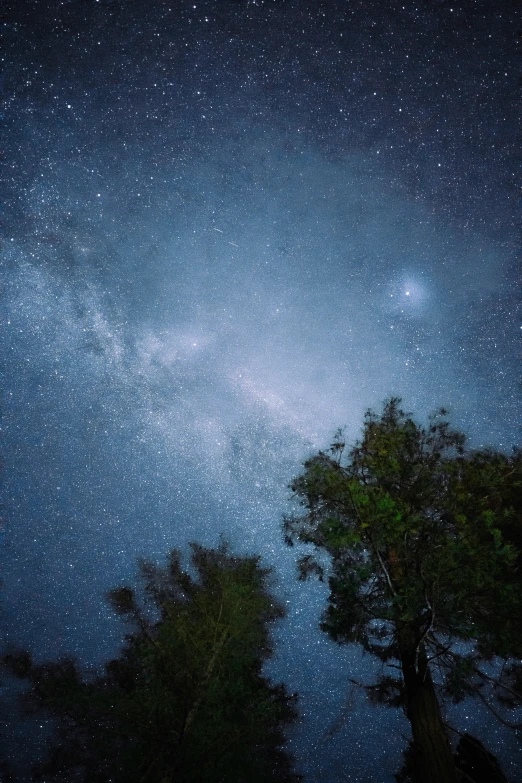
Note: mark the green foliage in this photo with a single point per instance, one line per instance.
(186, 700)
(424, 539)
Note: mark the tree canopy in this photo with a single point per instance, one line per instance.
(422, 538)
(421, 541)
(186, 700)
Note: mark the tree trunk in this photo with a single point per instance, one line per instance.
(433, 756)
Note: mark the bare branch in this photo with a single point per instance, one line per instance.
(516, 726)
(384, 569)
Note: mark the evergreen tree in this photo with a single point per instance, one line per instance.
(186, 700)
(423, 565)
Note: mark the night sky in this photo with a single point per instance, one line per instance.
(230, 228)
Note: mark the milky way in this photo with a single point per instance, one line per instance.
(231, 228)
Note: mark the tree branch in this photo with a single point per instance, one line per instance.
(383, 566)
(497, 683)
(516, 726)
(206, 677)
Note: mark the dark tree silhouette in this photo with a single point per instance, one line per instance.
(423, 566)
(186, 700)
(473, 762)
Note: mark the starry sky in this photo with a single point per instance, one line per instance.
(231, 226)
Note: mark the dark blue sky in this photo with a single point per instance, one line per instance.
(231, 227)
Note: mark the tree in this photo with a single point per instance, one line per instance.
(421, 537)
(186, 700)
(474, 764)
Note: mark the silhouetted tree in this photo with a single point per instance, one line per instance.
(474, 764)
(186, 700)
(421, 537)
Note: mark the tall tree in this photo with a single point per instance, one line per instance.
(186, 700)
(422, 570)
